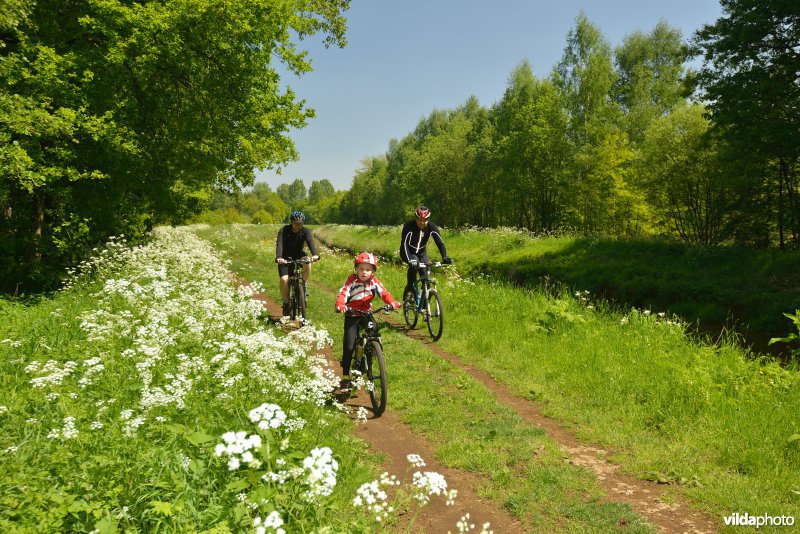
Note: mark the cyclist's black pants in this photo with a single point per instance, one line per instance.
(349, 342)
(411, 274)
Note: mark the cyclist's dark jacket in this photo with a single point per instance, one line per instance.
(414, 241)
(290, 245)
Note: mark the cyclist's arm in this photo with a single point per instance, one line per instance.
(437, 238)
(279, 245)
(382, 292)
(344, 292)
(310, 241)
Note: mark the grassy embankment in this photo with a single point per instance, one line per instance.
(116, 397)
(713, 421)
(519, 466)
(746, 289)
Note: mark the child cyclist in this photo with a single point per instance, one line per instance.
(357, 293)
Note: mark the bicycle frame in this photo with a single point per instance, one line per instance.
(423, 284)
(426, 301)
(368, 357)
(297, 297)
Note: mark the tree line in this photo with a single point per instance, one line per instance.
(116, 115)
(626, 141)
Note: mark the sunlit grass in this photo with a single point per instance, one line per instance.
(519, 467)
(716, 421)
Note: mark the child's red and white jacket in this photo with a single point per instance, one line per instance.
(358, 295)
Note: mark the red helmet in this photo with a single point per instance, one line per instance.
(366, 257)
(423, 213)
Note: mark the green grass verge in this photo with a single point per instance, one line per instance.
(520, 468)
(739, 287)
(115, 392)
(715, 422)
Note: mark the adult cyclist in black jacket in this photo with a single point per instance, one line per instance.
(414, 242)
(291, 240)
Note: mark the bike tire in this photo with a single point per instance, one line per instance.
(376, 383)
(410, 311)
(301, 302)
(435, 315)
(294, 303)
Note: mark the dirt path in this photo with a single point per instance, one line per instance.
(395, 440)
(669, 513)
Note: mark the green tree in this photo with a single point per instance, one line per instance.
(749, 78)
(293, 195)
(364, 201)
(533, 147)
(585, 78)
(320, 190)
(652, 76)
(683, 184)
(115, 116)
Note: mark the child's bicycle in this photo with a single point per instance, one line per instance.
(425, 301)
(297, 289)
(368, 356)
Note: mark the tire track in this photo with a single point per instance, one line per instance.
(390, 436)
(669, 513)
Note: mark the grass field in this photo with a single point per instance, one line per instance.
(716, 422)
(119, 396)
(718, 287)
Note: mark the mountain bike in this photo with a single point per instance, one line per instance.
(425, 301)
(368, 356)
(297, 289)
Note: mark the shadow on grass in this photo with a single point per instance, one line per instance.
(720, 289)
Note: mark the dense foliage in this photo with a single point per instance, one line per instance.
(115, 116)
(152, 396)
(622, 141)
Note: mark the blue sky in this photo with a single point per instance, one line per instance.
(405, 58)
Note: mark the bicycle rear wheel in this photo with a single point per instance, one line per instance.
(376, 377)
(410, 310)
(435, 315)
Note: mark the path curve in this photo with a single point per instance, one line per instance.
(390, 436)
(670, 514)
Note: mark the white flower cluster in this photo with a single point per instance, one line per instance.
(415, 460)
(175, 291)
(464, 525)
(52, 374)
(427, 484)
(268, 416)
(272, 521)
(374, 499)
(68, 431)
(238, 447)
(320, 473)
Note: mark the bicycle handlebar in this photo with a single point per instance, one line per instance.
(433, 264)
(359, 313)
(299, 261)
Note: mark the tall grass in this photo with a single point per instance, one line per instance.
(738, 287)
(151, 395)
(718, 422)
(516, 465)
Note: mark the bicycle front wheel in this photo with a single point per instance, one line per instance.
(376, 377)
(301, 301)
(410, 310)
(435, 315)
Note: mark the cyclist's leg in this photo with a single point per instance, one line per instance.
(411, 276)
(306, 267)
(283, 273)
(306, 275)
(348, 347)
